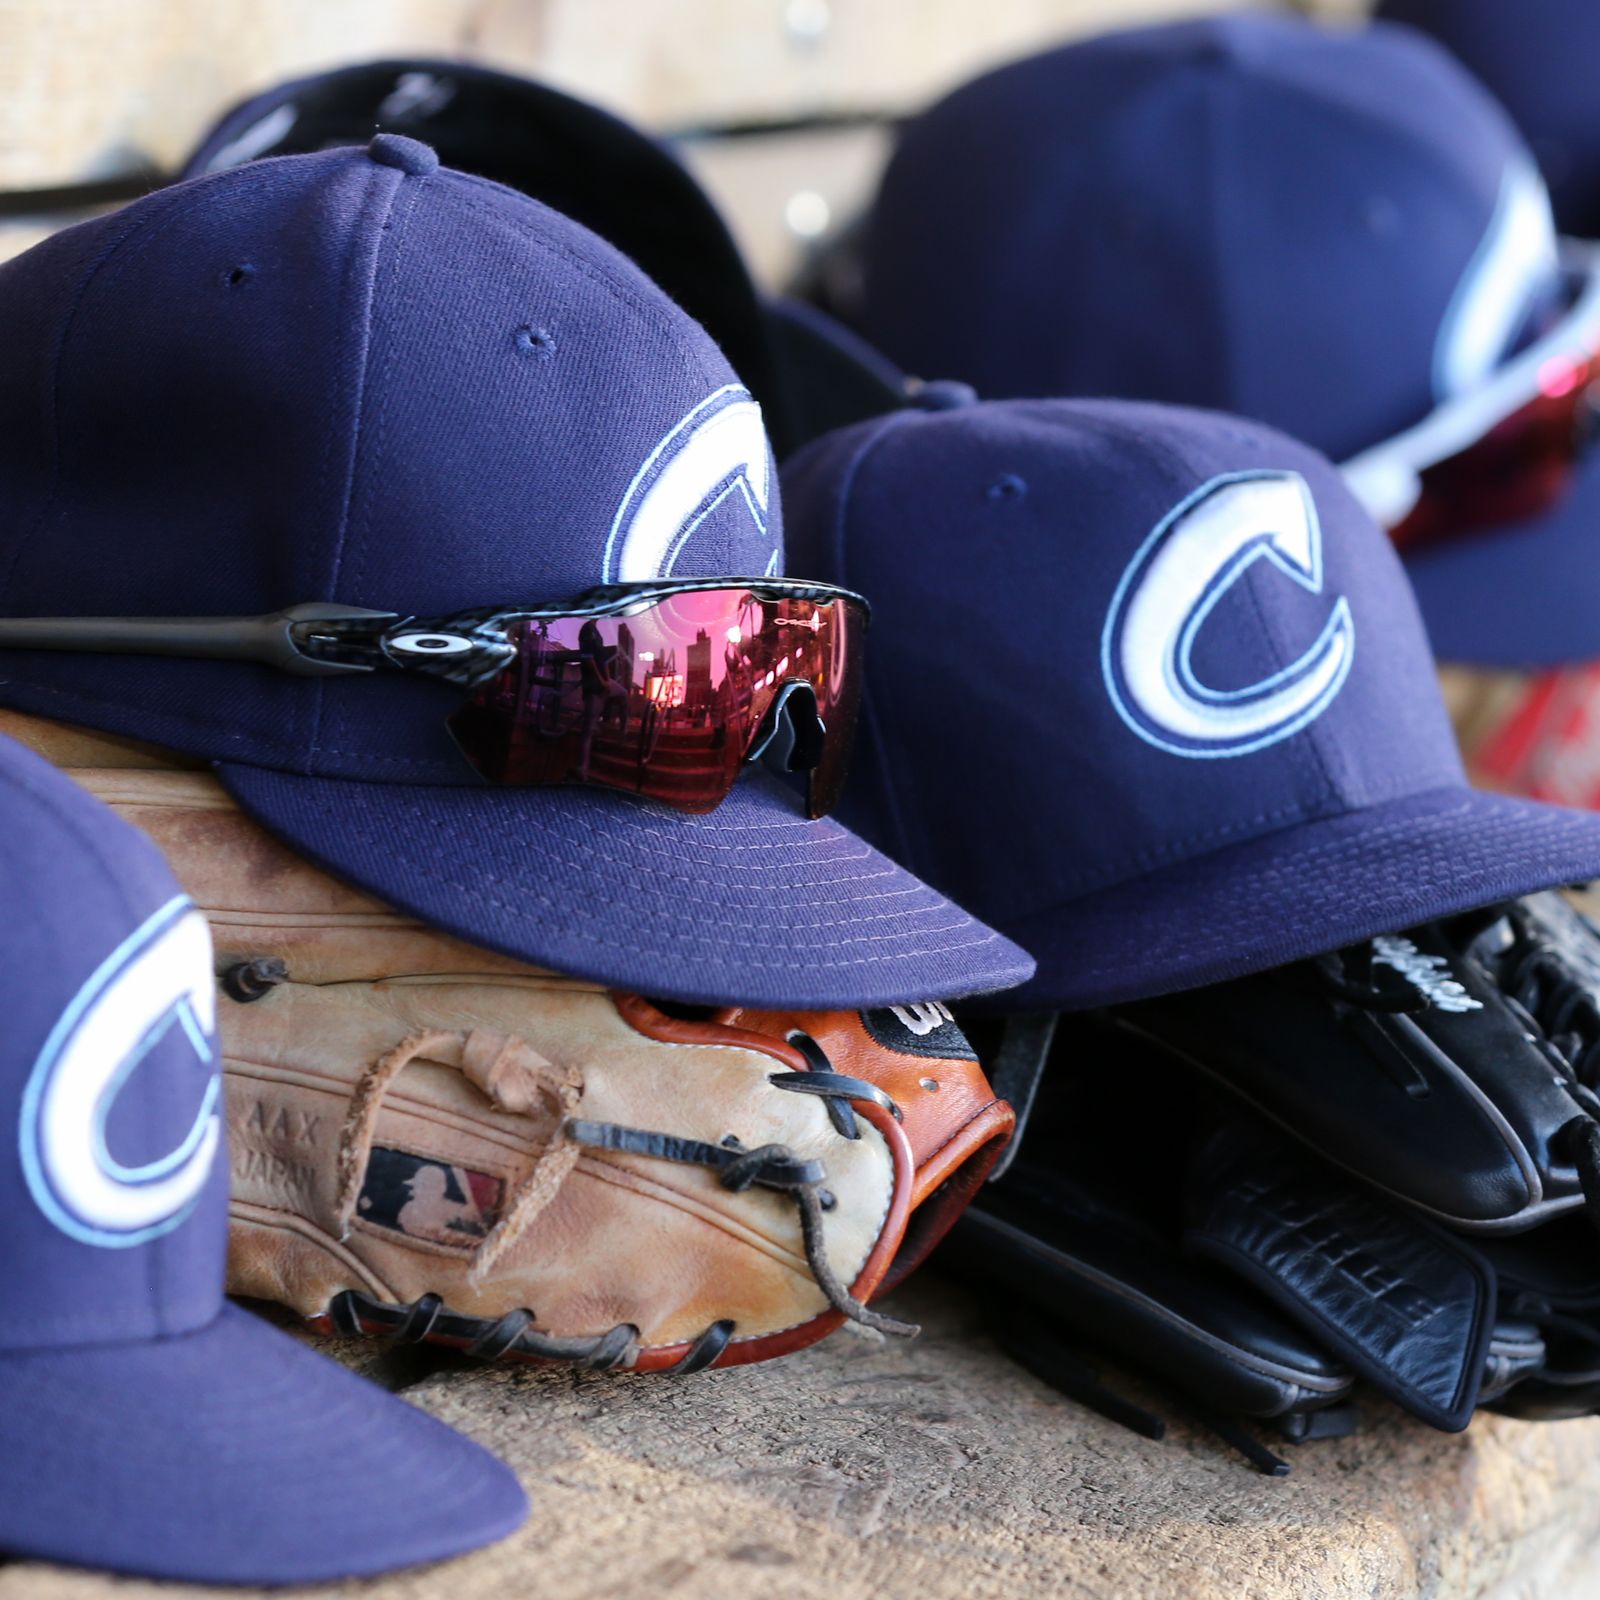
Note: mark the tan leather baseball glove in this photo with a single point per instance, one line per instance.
(436, 1142)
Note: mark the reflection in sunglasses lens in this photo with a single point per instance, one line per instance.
(667, 701)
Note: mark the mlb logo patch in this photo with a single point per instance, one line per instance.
(450, 1206)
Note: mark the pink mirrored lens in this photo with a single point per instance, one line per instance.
(1518, 470)
(667, 701)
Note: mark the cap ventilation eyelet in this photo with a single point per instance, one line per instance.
(536, 342)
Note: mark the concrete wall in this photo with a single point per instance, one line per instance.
(99, 88)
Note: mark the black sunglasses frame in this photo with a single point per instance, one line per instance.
(325, 639)
(467, 649)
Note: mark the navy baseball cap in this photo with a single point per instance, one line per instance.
(1538, 58)
(360, 377)
(807, 372)
(1333, 231)
(1150, 692)
(148, 1426)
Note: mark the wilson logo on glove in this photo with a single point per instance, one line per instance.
(149, 1008)
(1195, 555)
(1428, 975)
(929, 1029)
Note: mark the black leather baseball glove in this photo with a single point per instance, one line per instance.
(1374, 1166)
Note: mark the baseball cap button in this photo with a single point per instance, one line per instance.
(410, 156)
(943, 394)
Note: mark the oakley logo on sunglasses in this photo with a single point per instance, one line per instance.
(154, 991)
(1182, 571)
(716, 455)
(662, 689)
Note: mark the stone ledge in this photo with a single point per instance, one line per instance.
(939, 1471)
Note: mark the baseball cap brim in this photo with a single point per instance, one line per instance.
(233, 1455)
(752, 904)
(1301, 891)
(1527, 595)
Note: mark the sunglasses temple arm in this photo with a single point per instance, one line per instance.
(288, 640)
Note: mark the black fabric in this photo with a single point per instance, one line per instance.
(924, 1030)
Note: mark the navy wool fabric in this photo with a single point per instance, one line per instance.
(1250, 213)
(1538, 58)
(361, 377)
(1253, 213)
(209, 1446)
(808, 373)
(1004, 756)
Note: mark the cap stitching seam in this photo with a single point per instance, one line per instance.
(1094, 154)
(138, 236)
(1224, 352)
(1431, 155)
(688, 358)
(609, 941)
(1177, 851)
(149, 227)
(1310, 756)
(358, 431)
(590, 269)
(939, 902)
(371, 380)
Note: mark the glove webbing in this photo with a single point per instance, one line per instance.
(1556, 1006)
(511, 1073)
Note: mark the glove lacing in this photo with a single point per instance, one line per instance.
(1367, 1007)
(1565, 1013)
(516, 1077)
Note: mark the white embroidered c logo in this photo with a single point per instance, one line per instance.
(1517, 258)
(158, 979)
(719, 449)
(1197, 553)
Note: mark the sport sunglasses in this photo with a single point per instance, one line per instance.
(1508, 450)
(659, 689)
